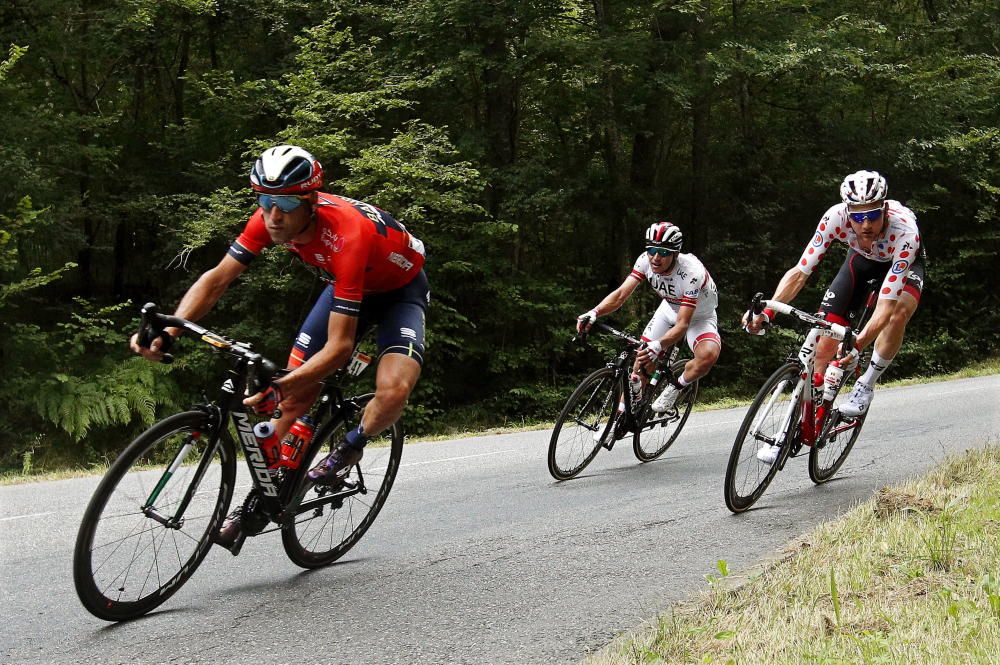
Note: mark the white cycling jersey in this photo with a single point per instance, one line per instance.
(899, 243)
(688, 284)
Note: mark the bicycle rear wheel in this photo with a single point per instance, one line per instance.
(772, 419)
(833, 446)
(584, 422)
(126, 563)
(659, 430)
(338, 518)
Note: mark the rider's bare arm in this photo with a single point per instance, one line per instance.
(617, 298)
(789, 286)
(205, 292)
(197, 302)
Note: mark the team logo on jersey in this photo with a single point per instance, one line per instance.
(400, 260)
(900, 266)
(320, 258)
(818, 239)
(830, 295)
(332, 240)
(367, 209)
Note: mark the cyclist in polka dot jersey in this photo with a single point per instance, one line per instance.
(885, 245)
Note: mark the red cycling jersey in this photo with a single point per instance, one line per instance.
(361, 248)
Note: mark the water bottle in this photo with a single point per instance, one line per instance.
(296, 441)
(832, 378)
(817, 388)
(268, 441)
(635, 387)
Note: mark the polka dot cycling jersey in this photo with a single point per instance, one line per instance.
(358, 247)
(688, 284)
(899, 244)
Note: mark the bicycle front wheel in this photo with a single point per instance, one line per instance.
(586, 420)
(149, 524)
(833, 446)
(771, 420)
(659, 430)
(338, 518)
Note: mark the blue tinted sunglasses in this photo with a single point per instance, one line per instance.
(662, 251)
(285, 202)
(867, 215)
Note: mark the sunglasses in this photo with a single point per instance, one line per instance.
(285, 202)
(662, 251)
(867, 215)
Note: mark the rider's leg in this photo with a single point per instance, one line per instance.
(842, 296)
(706, 351)
(400, 319)
(890, 339)
(397, 375)
(887, 344)
(706, 344)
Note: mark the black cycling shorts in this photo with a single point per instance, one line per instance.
(850, 288)
(399, 316)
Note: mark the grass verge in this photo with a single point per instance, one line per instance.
(910, 576)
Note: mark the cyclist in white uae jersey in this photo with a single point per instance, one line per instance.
(687, 312)
(885, 245)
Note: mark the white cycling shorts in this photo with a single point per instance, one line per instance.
(702, 328)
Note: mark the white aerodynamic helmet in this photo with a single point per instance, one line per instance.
(863, 188)
(666, 235)
(286, 169)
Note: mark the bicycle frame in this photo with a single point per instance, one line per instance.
(278, 500)
(622, 365)
(813, 412)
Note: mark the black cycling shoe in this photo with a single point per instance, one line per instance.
(332, 468)
(246, 520)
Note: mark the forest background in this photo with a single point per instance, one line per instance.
(527, 142)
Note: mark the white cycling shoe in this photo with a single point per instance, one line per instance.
(666, 399)
(857, 404)
(768, 454)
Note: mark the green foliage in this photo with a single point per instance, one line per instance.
(527, 143)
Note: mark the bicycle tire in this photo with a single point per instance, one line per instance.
(113, 593)
(672, 424)
(785, 378)
(570, 455)
(826, 456)
(319, 537)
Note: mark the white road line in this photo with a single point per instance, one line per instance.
(952, 392)
(452, 459)
(18, 517)
(723, 422)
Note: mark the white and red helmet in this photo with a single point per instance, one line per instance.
(864, 188)
(666, 235)
(286, 169)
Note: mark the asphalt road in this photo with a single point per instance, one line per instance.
(478, 555)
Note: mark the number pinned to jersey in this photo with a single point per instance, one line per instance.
(359, 361)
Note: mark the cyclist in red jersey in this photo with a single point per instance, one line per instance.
(375, 269)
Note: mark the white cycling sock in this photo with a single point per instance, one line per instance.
(875, 369)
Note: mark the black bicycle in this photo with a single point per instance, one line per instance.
(792, 411)
(152, 519)
(603, 410)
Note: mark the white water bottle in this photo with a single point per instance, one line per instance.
(831, 380)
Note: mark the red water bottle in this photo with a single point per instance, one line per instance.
(296, 442)
(268, 442)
